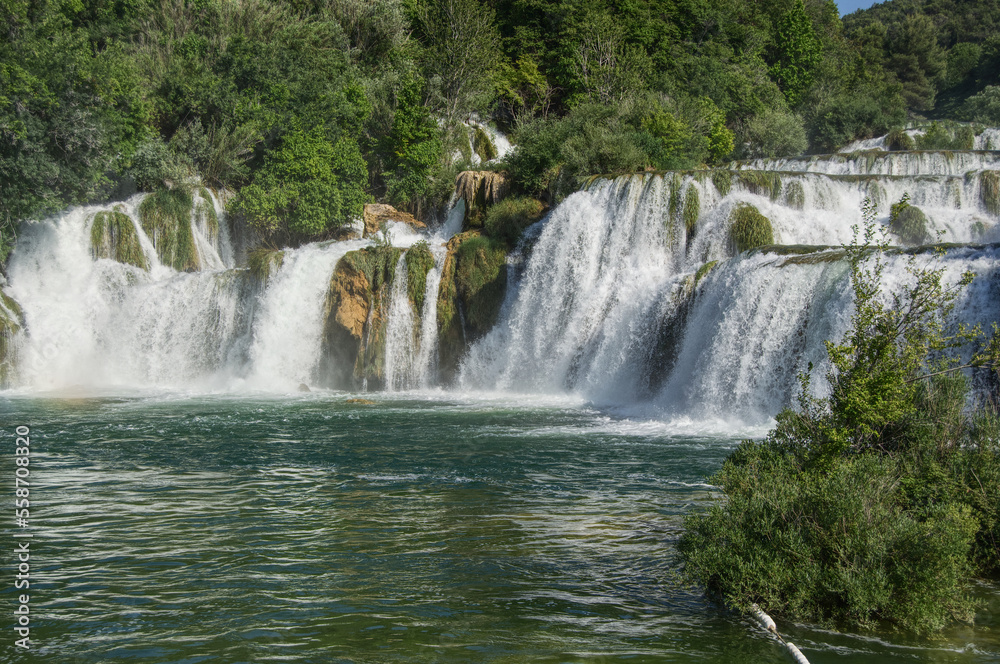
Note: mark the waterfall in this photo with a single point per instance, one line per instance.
(399, 340)
(288, 326)
(630, 291)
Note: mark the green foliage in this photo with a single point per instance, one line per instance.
(481, 282)
(506, 220)
(307, 187)
(908, 222)
(941, 137)
(897, 140)
(797, 51)
(692, 209)
(748, 229)
(762, 183)
(869, 504)
(419, 261)
(113, 235)
(723, 181)
(166, 218)
(989, 191)
(703, 271)
(984, 107)
(483, 145)
(263, 262)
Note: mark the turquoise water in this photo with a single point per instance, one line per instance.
(420, 529)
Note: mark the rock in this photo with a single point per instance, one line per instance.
(362, 402)
(304, 388)
(480, 189)
(375, 214)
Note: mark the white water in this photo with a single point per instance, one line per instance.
(288, 328)
(400, 348)
(604, 306)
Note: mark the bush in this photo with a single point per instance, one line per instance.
(897, 140)
(774, 133)
(307, 187)
(879, 501)
(507, 219)
(941, 137)
(984, 107)
(748, 229)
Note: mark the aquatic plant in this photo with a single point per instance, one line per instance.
(483, 145)
(762, 183)
(898, 140)
(795, 195)
(703, 271)
(507, 219)
(723, 181)
(989, 191)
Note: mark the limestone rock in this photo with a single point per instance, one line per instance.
(377, 213)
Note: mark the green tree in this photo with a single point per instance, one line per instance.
(797, 53)
(307, 187)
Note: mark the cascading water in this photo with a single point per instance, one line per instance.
(400, 349)
(609, 306)
(617, 299)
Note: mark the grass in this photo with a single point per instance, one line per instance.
(795, 195)
(749, 229)
(723, 181)
(703, 271)
(113, 236)
(762, 183)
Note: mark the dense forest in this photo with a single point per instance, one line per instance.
(309, 108)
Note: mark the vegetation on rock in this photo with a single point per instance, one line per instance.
(878, 502)
(908, 222)
(113, 235)
(166, 219)
(748, 228)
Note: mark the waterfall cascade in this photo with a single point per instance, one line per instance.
(633, 290)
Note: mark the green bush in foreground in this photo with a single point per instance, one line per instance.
(877, 503)
(748, 228)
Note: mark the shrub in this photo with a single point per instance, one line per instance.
(897, 140)
(879, 501)
(748, 229)
(507, 219)
(774, 133)
(984, 107)
(908, 222)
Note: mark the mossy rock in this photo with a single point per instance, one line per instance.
(723, 182)
(113, 236)
(762, 183)
(356, 314)
(909, 223)
(898, 140)
(692, 210)
(472, 290)
(11, 322)
(264, 262)
(166, 219)
(989, 191)
(795, 195)
(703, 271)
(748, 228)
(419, 261)
(508, 219)
(483, 145)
